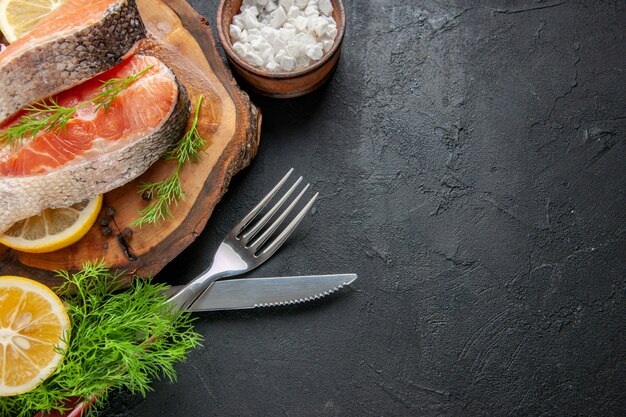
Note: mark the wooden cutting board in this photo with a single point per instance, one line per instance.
(230, 125)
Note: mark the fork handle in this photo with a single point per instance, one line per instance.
(184, 298)
(226, 263)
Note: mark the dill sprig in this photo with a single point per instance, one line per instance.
(113, 87)
(119, 340)
(48, 115)
(169, 191)
(189, 147)
(163, 193)
(45, 115)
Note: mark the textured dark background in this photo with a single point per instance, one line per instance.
(470, 158)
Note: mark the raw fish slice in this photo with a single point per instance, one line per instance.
(76, 41)
(98, 150)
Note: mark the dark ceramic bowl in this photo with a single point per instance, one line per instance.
(280, 84)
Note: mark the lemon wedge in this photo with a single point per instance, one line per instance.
(53, 229)
(34, 329)
(19, 16)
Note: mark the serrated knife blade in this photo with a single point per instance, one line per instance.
(247, 293)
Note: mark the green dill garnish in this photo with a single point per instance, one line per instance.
(45, 115)
(113, 87)
(165, 192)
(119, 340)
(48, 115)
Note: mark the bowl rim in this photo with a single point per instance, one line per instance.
(232, 55)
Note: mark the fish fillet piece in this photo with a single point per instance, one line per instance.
(76, 41)
(98, 150)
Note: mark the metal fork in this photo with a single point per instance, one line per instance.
(241, 251)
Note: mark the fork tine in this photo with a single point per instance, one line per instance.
(247, 236)
(277, 243)
(253, 213)
(270, 230)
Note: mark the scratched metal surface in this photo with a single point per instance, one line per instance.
(471, 160)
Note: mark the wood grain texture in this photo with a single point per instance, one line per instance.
(230, 125)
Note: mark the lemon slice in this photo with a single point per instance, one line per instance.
(33, 325)
(53, 229)
(19, 16)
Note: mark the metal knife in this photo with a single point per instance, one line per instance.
(246, 293)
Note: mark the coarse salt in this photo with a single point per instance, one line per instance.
(301, 3)
(283, 35)
(293, 12)
(285, 4)
(279, 17)
(326, 7)
(300, 23)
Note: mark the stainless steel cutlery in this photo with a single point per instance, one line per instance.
(245, 247)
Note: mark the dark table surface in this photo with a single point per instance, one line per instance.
(471, 162)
